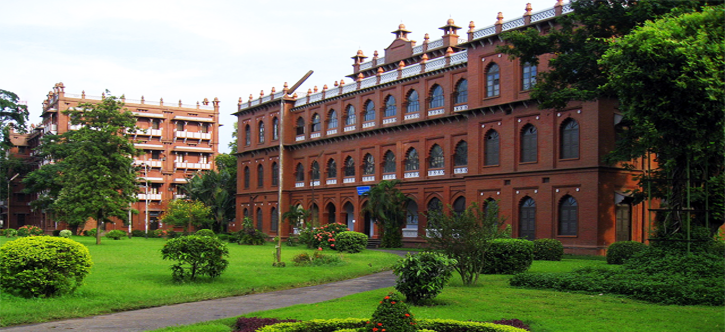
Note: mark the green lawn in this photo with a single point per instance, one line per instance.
(130, 274)
(493, 299)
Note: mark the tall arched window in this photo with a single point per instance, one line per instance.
(274, 217)
(436, 97)
(493, 87)
(259, 219)
(246, 177)
(300, 126)
(528, 76)
(412, 162)
(528, 144)
(491, 152)
(247, 135)
(461, 156)
(261, 132)
(368, 165)
(413, 105)
(275, 129)
(462, 92)
(390, 108)
(275, 174)
(568, 216)
(459, 205)
(349, 167)
(315, 170)
(437, 160)
(369, 111)
(316, 125)
(527, 219)
(569, 139)
(300, 173)
(331, 169)
(389, 162)
(350, 115)
(332, 119)
(260, 176)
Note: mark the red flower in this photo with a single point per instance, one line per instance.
(375, 328)
(407, 315)
(380, 324)
(332, 245)
(392, 302)
(387, 297)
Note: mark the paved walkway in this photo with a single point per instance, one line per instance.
(194, 312)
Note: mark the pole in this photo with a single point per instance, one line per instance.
(146, 187)
(10, 194)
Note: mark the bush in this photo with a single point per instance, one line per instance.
(170, 234)
(159, 233)
(29, 230)
(392, 315)
(356, 324)
(548, 250)
(205, 232)
(11, 232)
(250, 236)
(65, 233)
(325, 235)
(352, 242)
(56, 232)
(421, 277)
(90, 232)
(225, 237)
(717, 247)
(318, 258)
(196, 255)
(116, 234)
(508, 256)
(138, 233)
(620, 252)
(43, 266)
(252, 324)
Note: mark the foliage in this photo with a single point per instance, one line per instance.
(30, 230)
(548, 249)
(508, 256)
(295, 215)
(11, 232)
(217, 191)
(388, 207)
(43, 266)
(56, 232)
(465, 237)
(391, 315)
(325, 235)
(250, 235)
(422, 276)
(138, 233)
(205, 232)
(316, 259)
(356, 324)
(620, 252)
(90, 232)
(116, 234)
(13, 116)
(196, 256)
(449, 325)
(317, 325)
(186, 213)
(251, 324)
(159, 233)
(351, 242)
(65, 233)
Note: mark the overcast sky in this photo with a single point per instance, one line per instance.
(190, 50)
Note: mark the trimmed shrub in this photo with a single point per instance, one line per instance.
(252, 324)
(325, 235)
(138, 233)
(170, 234)
(317, 258)
(160, 233)
(225, 237)
(90, 232)
(620, 252)
(548, 250)
(352, 242)
(391, 315)
(43, 266)
(11, 232)
(508, 256)
(30, 230)
(116, 234)
(421, 277)
(356, 324)
(316, 325)
(449, 325)
(717, 247)
(195, 255)
(65, 233)
(205, 232)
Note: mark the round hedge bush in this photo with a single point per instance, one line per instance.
(65, 233)
(196, 256)
(205, 232)
(30, 230)
(352, 242)
(10, 232)
(422, 276)
(116, 234)
(548, 250)
(619, 252)
(43, 266)
(508, 256)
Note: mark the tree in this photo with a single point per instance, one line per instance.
(13, 115)
(669, 76)
(465, 237)
(216, 190)
(388, 207)
(187, 213)
(95, 177)
(295, 215)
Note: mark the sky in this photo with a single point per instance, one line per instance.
(191, 50)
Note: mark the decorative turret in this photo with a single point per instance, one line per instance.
(401, 33)
(358, 59)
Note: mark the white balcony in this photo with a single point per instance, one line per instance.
(315, 135)
(436, 112)
(299, 184)
(436, 172)
(460, 108)
(389, 121)
(190, 134)
(300, 138)
(147, 131)
(409, 175)
(150, 163)
(412, 116)
(368, 124)
(332, 132)
(179, 196)
(410, 232)
(388, 176)
(348, 180)
(150, 197)
(192, 165)
(331, 181)
(368, 178)
(460, 170)
(349, 128)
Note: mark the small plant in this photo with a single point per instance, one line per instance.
(116, 234)
(352, 242)
(43, 266)
(195, 256)
(391, 315)
(317, 258)
(160, 233)
(548, 250)
(250, 235)
(205, 232)
(11, 232)
(90, 232)
(325, 235)
(252, 324)
(30, 230)
(509, 256)
(620, 252)
(421, 277)
(65, 233)
(138, 233)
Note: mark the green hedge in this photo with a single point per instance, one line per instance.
(548, 250)
(352, 242)
(116, 234)
(355, 324)
(620, 252)
(508, 256)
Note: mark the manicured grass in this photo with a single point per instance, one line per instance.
(130, 274)
(493, 299)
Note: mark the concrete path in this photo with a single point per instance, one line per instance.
(194, 312)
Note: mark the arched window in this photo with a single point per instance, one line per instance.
(246, 177)
(350, 115)
(436, 97)
(435, 204)
(462, 92)
(412, 162)
(493, 87)
(261, 132)
(247, 135)
(275, 129)
(331, 213)
(528, 144)
(315, 170)
(349, 167)
(300, 173)
(459, 205)
(413, 104)
(259, 219)
(368, 165)
(527, 219)
(568, 216)
(246, 213)
(316, 125)
(491, 152)
(437, 160)
(389, 162)
(461, 156)
(569, 139)
(528, 76)
(369, 111)
(332, 119)
(275, 174)
(274, 217)
(260, 176)
(300, 126)
(331, 169)
(390, 108)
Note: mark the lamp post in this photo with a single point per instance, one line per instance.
(10, 194)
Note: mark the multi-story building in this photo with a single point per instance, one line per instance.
(453, 120)
(176, 141)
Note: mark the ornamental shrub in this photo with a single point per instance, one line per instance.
(352, 242)
(250, 235)
(43, 266)
(116, 234)
(252, 324)
(30, 230)
(391, 315)
(318, 258)
(195, 255)
(355, 324)
(508, 256)
(11, 232)
(205, 232)
(717, 247)
(160, 233)
(325, 235)
(65, 233)
(138, 233)
(620, 252)
(90, 232)
(548, 250)
(421, 277)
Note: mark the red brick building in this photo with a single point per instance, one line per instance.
(451, 118)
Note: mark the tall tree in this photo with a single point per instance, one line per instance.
(187, 213)
(217, 191)
(13, 115)
(388, 207)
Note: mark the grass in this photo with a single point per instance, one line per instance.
(493, 299)
(130, 274)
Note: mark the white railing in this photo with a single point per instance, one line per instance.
(435, 64)
(74, 127)
(409, 175)
(315, 97)
(485, 32)
(190, 134)
(150, 163)
(368, 124)
(566, 9)
(266, 99)
(146, 131)
(349, 128)
(315, 183)
(332, 132)
(348, 180)
(390, 120)
(412, 116)
(368, 178)
(519, 22)
(366, 65)
(388, 176)
(460, 108)
(418, 49)
(192, 165)
(459, 57)
(435, 44)
(389, 77)
(380, 61)
(368, 82)
(300, 138)
(542, 15)
(315, 135)
(299, 184)
(151, 197)
(332, 92)
(460, 170)
(411, 70)
(436, 172)
(331, 181)
(436, 112)
(301, 101)
(349, 87)
(177, 196)
(410, 232)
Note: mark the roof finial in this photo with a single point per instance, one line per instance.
(499, 18)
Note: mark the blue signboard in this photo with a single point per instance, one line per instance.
(362, 189)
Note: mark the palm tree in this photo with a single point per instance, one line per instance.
(387, 206)
(216, 190)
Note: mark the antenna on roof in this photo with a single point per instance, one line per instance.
(302, 80)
